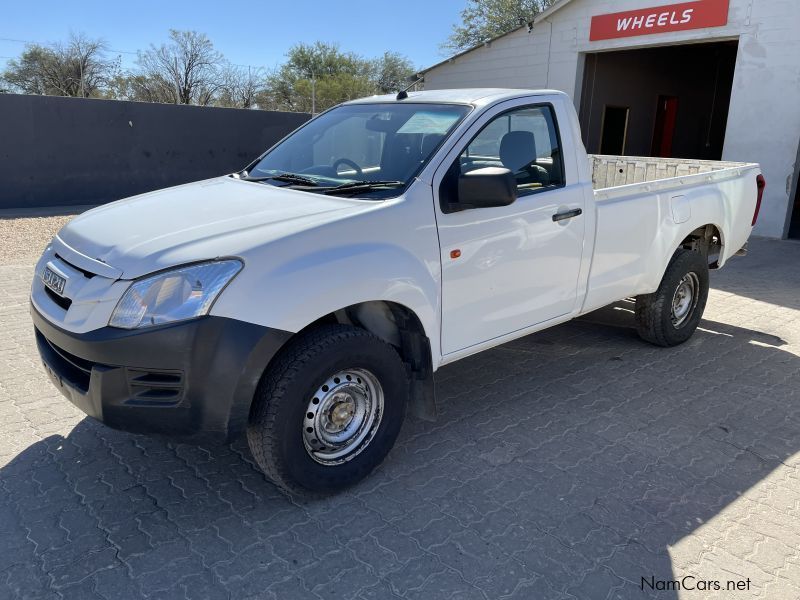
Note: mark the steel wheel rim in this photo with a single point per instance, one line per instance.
(342, 416)
(684, 300)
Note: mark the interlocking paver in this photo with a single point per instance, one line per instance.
(568, 464)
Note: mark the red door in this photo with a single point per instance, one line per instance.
(666, 116)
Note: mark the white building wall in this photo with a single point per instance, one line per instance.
(764, 119)
(506, 62)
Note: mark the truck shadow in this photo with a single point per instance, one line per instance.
(570, 463)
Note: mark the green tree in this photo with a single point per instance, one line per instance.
(318, 76)
(77, 68)
(483, 20)
(391, 72)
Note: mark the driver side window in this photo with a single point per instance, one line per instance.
(523, 140)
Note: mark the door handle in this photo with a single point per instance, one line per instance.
(568, 214)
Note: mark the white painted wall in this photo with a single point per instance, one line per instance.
(764, 120)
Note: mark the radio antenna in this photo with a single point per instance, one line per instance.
(403, 94)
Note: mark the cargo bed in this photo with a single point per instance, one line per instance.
(614, 171)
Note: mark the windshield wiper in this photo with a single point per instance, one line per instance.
(286, 177)
(353, 187)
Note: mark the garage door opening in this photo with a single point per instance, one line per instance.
(676, 100)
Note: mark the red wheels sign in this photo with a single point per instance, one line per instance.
(660, 19)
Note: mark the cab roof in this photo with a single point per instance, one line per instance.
(474, 96)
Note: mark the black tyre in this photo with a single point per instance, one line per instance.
(329, 409)
(670, 315)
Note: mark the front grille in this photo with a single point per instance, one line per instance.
(146, 387)
(74, 369)
(64, 303)
(154, 388)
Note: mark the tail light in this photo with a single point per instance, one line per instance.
(761, 183)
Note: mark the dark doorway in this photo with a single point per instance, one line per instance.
(615, 130)
(794, 221)
(678, 98)
(666, 115)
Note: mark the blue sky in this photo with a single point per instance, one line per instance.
(255, 33)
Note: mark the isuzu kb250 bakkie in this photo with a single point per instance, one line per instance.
(309, 299)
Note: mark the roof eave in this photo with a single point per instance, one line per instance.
(473, 48)
(539, 17)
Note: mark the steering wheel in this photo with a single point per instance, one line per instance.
(349, 163)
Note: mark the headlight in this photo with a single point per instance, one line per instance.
(173, 295)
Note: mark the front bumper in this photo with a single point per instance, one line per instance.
(193, 380)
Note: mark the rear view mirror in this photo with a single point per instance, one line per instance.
(382, 125)
(483, 188)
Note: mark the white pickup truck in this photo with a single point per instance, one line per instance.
(309, 299)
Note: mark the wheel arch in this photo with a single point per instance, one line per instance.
(399, 326)
(707, 239)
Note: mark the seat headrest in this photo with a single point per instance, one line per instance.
(517, 149)
(401, 155)
(429, 142)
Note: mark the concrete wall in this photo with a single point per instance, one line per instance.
(763, 122)
(62, 151)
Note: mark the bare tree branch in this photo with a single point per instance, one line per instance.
(76, 68)
(187, 70)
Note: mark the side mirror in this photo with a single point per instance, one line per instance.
(483, 188)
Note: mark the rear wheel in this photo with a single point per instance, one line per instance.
(329, 410)
(670, 315)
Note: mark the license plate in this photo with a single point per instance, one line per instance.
(54, 281)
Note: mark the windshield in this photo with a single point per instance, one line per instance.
(371, 150)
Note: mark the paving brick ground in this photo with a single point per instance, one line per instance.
(568, 464)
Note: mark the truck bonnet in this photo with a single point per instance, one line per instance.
(196, 221)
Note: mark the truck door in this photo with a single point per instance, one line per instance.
(508, 268)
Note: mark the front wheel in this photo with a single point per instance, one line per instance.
(329, 410)
(670, 315)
